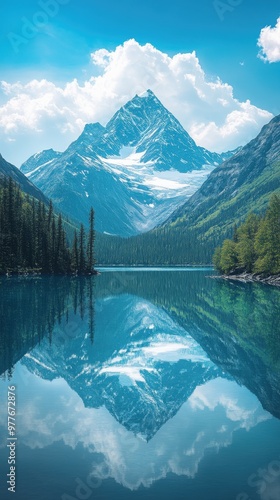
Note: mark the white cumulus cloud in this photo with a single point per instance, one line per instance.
(269, 42)
(41, 114)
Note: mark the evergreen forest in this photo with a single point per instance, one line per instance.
(255, 246)
(33, 237)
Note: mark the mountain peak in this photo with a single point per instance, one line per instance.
(148, 93)
(146, 99)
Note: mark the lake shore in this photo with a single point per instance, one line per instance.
(245, 277)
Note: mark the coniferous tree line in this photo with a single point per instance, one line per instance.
(161, 247)
(33, 237)
(255, 246)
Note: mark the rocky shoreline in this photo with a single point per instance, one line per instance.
(245, 277)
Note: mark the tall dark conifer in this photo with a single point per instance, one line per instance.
(90, 245)
(75, 254)
(82, 253)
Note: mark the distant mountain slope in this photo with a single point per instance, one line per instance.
(241, 184)
(135, 171)
(9, 170)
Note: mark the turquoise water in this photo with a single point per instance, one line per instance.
(141, 385)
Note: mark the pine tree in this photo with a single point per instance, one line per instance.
(62, 257)
(217, 258)
(229, 258)
(90, 245)
(75, 254)
(82, 255)
(246, 235)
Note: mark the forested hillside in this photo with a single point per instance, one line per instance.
(33, 236)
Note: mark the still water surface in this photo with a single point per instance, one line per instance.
(139, 384)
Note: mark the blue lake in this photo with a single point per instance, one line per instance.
(138, 384)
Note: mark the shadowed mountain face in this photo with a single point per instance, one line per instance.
(8, 170)
(135, 171)
(153, 340)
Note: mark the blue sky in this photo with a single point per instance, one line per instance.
(59, 51)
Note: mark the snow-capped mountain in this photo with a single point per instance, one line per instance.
(135, 171)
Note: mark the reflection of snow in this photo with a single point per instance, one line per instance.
(168, 350)
(132, 372)
(39, 363)
(138, 359)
